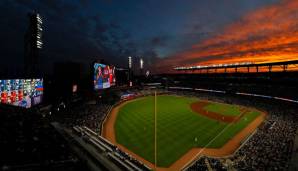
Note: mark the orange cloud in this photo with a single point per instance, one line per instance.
(266, 34)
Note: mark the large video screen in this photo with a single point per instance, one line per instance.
(104, 76)
(21, 92)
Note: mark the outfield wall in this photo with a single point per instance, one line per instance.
(237, 93)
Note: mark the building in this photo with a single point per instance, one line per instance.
(33, 45)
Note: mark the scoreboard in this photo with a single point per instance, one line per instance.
(21, 92)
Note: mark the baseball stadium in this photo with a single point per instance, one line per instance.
(190, 120)
(198, 85)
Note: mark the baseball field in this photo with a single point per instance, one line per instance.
(182, 123)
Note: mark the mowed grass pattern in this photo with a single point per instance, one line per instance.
(177, 128)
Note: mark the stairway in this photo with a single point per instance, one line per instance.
(208, 165)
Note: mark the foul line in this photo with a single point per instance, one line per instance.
(185, 166)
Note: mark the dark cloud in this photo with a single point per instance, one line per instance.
(85, 30)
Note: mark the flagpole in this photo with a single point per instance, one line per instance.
(155, 130)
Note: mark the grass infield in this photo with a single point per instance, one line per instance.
(224, 109)
(178, 127)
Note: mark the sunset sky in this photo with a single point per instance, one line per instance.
(165, 33)
(266, 34)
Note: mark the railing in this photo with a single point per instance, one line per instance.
(104, 145)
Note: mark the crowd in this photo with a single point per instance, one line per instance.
(199, 165)
(131, 159)
(207, 163)
(89, 115)
(271, 147)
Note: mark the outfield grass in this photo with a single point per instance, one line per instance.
(177, 128)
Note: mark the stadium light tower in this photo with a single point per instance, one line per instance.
(129, 62)
(129, 71)
(141, 63)
(141, 66)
